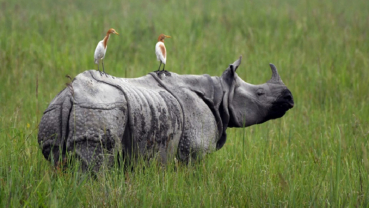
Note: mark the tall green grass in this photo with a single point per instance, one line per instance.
(316, 155)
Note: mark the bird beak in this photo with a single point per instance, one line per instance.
(116, 33)
(167, 36)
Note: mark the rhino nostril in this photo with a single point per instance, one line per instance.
(288, 97)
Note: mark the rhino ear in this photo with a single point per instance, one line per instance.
(235, 65)
(228, 84)
(230, 71)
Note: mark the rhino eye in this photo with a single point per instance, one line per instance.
(260, 92)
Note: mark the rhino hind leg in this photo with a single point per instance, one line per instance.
(93, 152)
(94, 137)
(53, 128)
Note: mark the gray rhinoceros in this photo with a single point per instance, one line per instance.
(96, 118)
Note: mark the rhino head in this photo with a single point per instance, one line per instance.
(254, 104)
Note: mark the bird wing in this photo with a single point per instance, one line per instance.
(161, 52)
(99, 52)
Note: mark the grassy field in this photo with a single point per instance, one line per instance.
(316, 155)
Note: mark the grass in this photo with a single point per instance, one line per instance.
(316, 155)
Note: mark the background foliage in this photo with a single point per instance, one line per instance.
(316, 155)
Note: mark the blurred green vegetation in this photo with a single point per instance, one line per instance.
(316, 155)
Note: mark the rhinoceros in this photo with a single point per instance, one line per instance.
(163, 115)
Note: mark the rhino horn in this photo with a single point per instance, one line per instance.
(275, 76)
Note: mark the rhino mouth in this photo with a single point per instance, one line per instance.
(279, 109)
(281, 105)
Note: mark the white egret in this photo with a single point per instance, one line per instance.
(101, 49)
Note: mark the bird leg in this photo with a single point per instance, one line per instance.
(102, 61)
(159, 67)
(167, 73)
(99, 69)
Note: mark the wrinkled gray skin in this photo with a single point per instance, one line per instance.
(97, 118)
